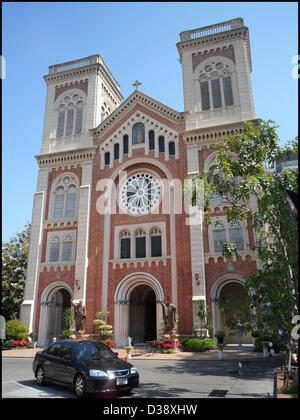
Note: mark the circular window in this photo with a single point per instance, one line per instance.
(67, 99)
(208, 68)
(219, 66)
(139, 194)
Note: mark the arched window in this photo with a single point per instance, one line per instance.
(105, 111)
(116, 151)
(125, 144)
(161, 144)
(54, 249)
(125, 245)
(151, 140)
(216, 86)
(107, 158)
(155, 238)
(70, 114)
(65, 198)
(171, 148)
(219, 235)
(140, 244)
(236, 234)
(138, 133)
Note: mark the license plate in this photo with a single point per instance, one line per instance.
(122, 381)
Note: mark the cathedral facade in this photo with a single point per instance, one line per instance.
(109, 225)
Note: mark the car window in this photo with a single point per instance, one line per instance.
(54, 350)
(66, 351)
(90, 351)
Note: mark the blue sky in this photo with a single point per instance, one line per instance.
(137, 40)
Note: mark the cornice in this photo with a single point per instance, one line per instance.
(82, 71)
(210, 135)
(66, 158)
(206, 41)
(130, 102)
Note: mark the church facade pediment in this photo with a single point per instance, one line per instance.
(139, 100)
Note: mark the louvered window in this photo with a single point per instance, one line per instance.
(78, 120)
(227, 86)
(215, 78)
(59, 206)
(216, 93)
(204, 96)
(70, 205)
(60, 124)
(70, 118)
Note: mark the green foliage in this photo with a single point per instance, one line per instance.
(16, 330)
(220, 334)
(9, 344)
(105, 330)
(205, 323)
(68, 317)
(14, 269)
(66, 333)
(197, 344)
(277, 343)
(242, 172)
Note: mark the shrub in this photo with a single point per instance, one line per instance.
(16, 330)
(8, 344)
(197, 344)
(65, 333)
(277, 344)
(109, 343)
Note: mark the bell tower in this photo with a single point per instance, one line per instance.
(216, 67)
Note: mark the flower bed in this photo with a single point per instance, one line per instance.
(109, 343)
(16, 344)
(164, 346)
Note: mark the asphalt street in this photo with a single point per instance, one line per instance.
(161, 379)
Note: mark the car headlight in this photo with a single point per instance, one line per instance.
(98, 373)
(133, 370)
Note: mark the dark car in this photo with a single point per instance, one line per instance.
(86, 366)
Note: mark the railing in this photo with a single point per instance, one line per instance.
(212, 29)
(74, 64)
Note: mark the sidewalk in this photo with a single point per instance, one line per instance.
(230, 353)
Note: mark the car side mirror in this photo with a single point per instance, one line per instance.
(116, 354)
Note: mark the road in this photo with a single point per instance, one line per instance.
(160, 379)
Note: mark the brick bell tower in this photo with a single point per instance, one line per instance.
(80, 95)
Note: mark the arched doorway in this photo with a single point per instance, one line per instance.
(142, 314)
(137, 313)
(54, 300)
(60, 300)
(231, 285)
(237, 295)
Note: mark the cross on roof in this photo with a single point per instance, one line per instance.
(136, 84)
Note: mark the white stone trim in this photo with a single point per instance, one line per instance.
(122, 299)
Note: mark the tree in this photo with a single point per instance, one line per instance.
(105, 330)
(14, 269)
(242, 173)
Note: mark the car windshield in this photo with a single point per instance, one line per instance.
(85, 351)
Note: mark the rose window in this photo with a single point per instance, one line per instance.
(140, 193)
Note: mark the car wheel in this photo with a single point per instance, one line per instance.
(80, 386)
(40, 376)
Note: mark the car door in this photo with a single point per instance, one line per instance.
(51, 363)
(66, 366)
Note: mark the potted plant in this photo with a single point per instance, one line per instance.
(220, 336)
